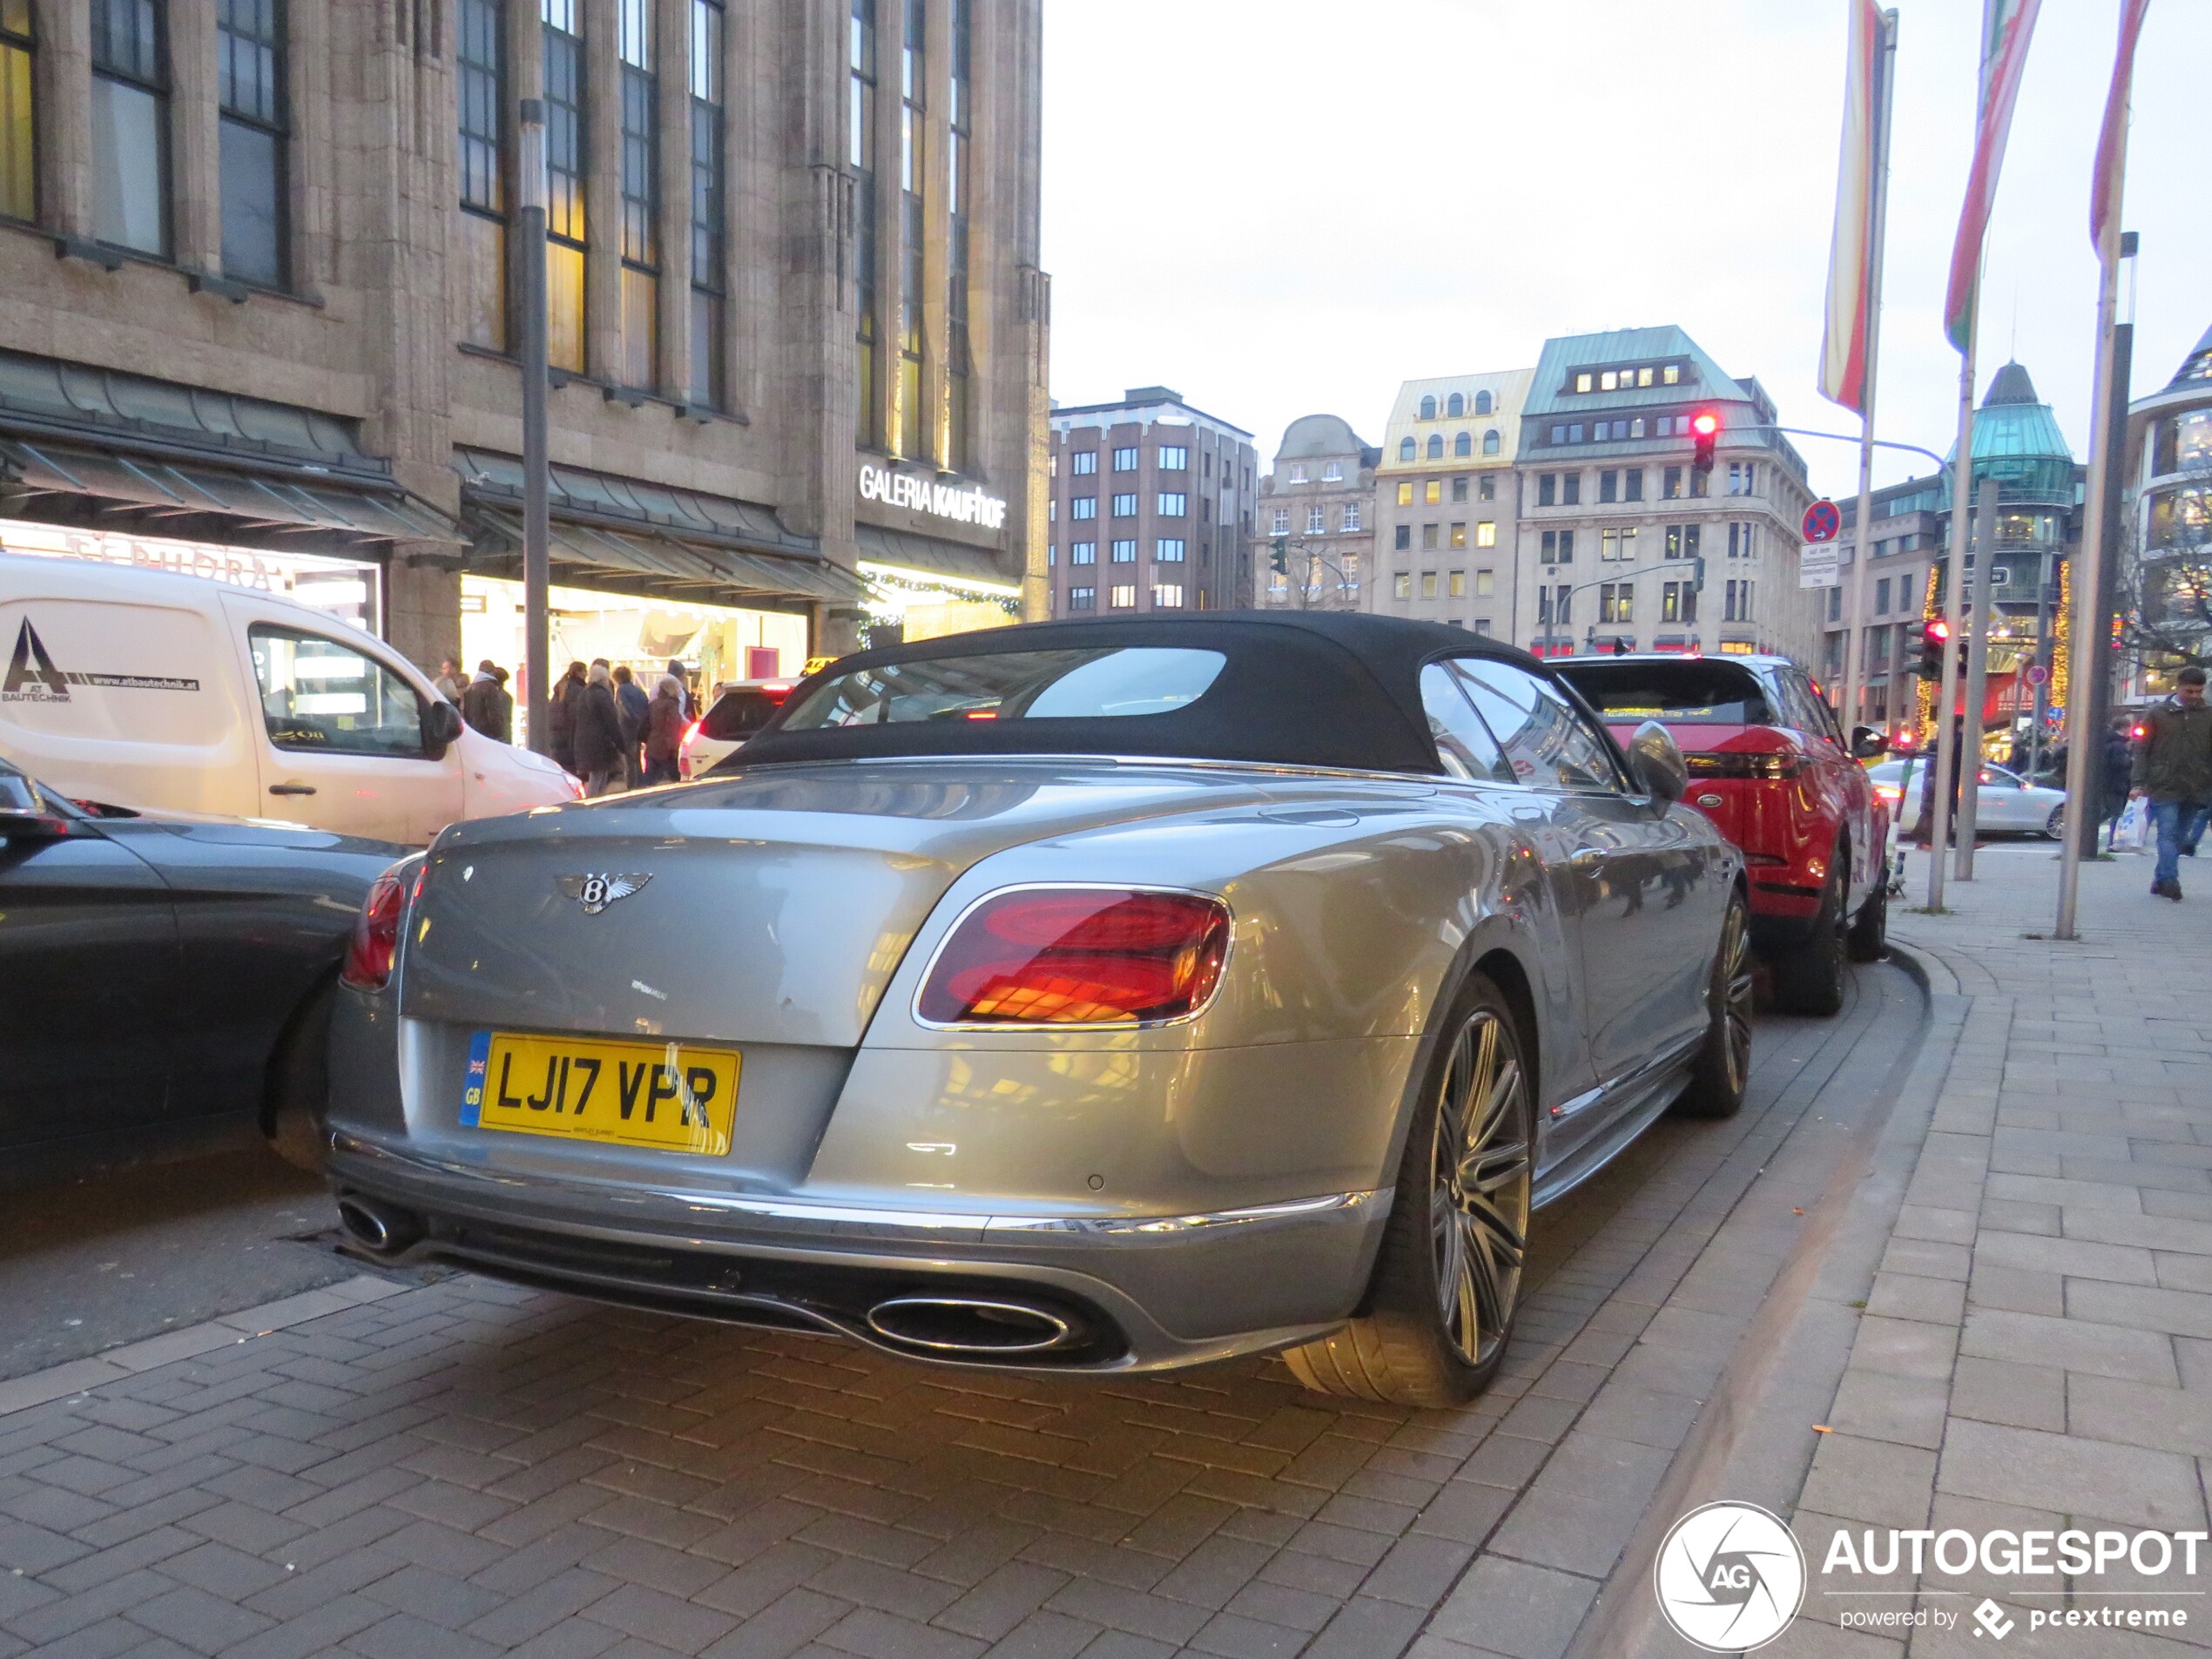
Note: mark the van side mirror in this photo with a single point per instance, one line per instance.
(1867, 742)
(440, 728)
(1656, 763)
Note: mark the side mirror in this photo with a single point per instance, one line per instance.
(1659, 770)
(1868, 744)
(22, 827)
(440, 728)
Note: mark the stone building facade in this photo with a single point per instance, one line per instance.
(2165, 585)
(259, 286)
(1151, 507)
(1316, 512)
(1447, 499)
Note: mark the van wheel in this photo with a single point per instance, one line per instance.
(299, 1086)
(1722, 1073)
(1870, 934)
(1809, 979)
(1440, 1307)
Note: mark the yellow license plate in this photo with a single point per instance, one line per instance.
(676, 1097)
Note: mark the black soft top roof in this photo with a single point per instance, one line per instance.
(1298, 689)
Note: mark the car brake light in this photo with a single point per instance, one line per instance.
(1078, 956)
(1768, 765)
(693, 730)
(1889, 792)
(376, 931)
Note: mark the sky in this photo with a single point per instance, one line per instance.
(1280, 208)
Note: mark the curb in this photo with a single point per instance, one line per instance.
(75, 1376)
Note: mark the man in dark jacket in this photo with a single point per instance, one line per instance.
(632, 706)
(560, 718)
(2173, 772)
(598, 732)
(665, 732)
(486, 706)
(2118, 759)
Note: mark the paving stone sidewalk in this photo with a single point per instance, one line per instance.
(2036, 1352)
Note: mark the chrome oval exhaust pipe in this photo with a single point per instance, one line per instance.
(377, 1229)
(958, 1325)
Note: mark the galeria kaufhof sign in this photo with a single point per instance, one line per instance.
(962, 503)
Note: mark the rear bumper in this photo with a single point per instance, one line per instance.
(1137, 1294)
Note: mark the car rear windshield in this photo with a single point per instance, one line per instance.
(737, 715)
(1071, 685)
(1685, 693)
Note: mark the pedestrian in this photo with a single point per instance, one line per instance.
(2174, 771)
(485, 705)
(664, 731)
(598, 732)
(2118, 760)
(559, 718)
(447, 684)
(632, 706)
(1924, 833)
(683, 688)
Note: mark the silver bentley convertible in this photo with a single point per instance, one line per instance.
(1100, 996)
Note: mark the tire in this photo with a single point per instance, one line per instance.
(2054, 825)
(1723, 1072)
(1809, 978)
(1869, 933)
(1439, 1311)
(299, 1086)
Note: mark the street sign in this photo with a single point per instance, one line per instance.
(1820, 566)
(1822, 522)
(2038, 675)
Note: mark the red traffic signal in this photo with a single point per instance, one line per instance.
(1705, 428)
(1705, 423)
(1936, 631)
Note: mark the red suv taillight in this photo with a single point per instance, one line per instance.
(376, 931)
(1732, 764)
(1078, 956)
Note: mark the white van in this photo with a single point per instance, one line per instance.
(137, 688)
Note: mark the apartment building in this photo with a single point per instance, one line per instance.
(260, 320)
(1446, 502)
(2166, 576)
(1315, 512)
(1613, 517)
(1149, 507)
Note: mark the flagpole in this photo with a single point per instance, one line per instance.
(1962, 474)
(1877, 215)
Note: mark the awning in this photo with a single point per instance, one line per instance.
(650, 565)
(299, 508)
(930, 556)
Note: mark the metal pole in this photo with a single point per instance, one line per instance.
(538, 566)
(1955, 571)
(1863, 548)
(1977, 677)
(2089, 628)
(2097, 654)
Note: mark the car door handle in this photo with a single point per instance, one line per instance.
(291, 789)
(1587, 858)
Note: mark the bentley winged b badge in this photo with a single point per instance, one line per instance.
(595, 893)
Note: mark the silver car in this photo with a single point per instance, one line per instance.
(2005, 802)
(1076, 996)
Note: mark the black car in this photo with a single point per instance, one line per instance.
(163, 979)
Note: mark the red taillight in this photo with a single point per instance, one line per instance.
(377, 933)
(693, 730)
(1078, 956)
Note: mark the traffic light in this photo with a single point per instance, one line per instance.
(1927, 650)
(1705, 428)
(1278, 559)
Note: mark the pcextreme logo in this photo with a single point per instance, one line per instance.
(32, 676)
(1729, 1577)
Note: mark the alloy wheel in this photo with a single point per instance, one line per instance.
(1735, 990)
(1479, 1170)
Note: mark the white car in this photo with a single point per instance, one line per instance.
(2007, 803)
(741, 709)
(175, 693)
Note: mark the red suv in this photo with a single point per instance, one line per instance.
(1770, 766)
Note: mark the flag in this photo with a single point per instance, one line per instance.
(1843, 348)
(2104, 193)
(2005, 26)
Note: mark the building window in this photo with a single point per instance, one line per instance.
(1463, 444)
(1167, 596)
(1402, 585)
(1332, 472)
(1433, 491)
(1428, 537)
(1455, 406)
(1608, 546)
(1083, 552)
(1632, 484)
(1671, 484)
(1616, 601)
(1317, 520)
(640, 293)
(1486, 583)
(1125, 506)
(1123, 552)
(1428, 408)
(1742, 477)
(1082, 598)
(959, 359)
(1351, 516)
(249, 78)
(1739, 539)
(1083, 507)
(1125, 460)
(1609, 485)
(1403, 540)
(1297, 472)
(1671, 374)
(1122, 596)
(912, 435)
(1546, 489)
(1490, 442)
(1558, 547)
(1681, 540)
(1167, 550)
(1406, 449)
(1486, 533)
(1882, 597)
(1171, 505)
(1458, 536)
(1455, 585)
(1482, 627)
(129, 125)
(1678, 602)
(18, 126)
(859, 155)
(480, 90)
(565, 170)
(1460, 488)
(1436, 446)
(710, 195)
(1083, 462)
(1570, 489)
(1585, 382)
(1405, 493)
(1175, 457)
(1485, 487)
(1738, 602)
(1429, 584)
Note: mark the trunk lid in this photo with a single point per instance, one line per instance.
(775, 905)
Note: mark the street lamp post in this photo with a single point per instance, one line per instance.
(538, 568)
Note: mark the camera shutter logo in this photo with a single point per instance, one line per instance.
(1729, 1577)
